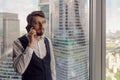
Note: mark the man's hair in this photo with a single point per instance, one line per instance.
(30, 18)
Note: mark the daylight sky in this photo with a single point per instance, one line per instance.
(21, 7)
(112, 15)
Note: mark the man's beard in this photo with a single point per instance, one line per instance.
(39, 34)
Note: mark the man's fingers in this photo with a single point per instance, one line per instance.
(31, 28)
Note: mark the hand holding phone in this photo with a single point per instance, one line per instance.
(31, 36)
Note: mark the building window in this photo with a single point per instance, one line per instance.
(112, 40)
(72, 62)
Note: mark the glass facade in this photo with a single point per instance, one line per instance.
(70, 39)
(8, 22)
(44, 6)
(44, 1)
(68, 27)
(12, 25)
(1, 36)
(6, 68)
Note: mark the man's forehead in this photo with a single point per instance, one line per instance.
(39, 18)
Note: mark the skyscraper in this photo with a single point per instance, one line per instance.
(9, 31)
(44, 6)
(6, 68)
(70, 42)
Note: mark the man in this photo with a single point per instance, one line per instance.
(33, 56)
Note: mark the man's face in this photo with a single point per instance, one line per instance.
(39, 24)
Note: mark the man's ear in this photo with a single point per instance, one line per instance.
(29, 25)
(28, 28)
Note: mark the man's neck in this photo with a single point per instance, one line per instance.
(38, 37)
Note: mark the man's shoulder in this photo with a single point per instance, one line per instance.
(47, 38)
(20, 39)
(17, 39)
(22, 36)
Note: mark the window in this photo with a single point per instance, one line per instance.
(12, 25)
(112, 40)
(67, 26)
(73, 60)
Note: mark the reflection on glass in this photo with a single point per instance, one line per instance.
(70, 28)
(43, 1)
(112, 40)
(9, 24)
(70, 38)
(44, 6)
(12, 24)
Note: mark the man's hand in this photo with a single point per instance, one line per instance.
(31, 36)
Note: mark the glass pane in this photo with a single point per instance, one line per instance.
(70, 28)
(67, 26)
(12, 25)
(112, 39)
(43, 1)
(44, 6)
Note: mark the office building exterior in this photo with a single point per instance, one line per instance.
(9, 31)
(70, 40)
(44, 6)
(7, 71)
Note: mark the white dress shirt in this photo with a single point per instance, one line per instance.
(21, 57)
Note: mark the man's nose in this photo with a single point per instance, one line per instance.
(40, 24)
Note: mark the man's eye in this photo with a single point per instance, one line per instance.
(35, 23)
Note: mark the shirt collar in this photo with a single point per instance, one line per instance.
(43, 36)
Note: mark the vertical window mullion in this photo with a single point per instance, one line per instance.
(96, 40)
(103, 46)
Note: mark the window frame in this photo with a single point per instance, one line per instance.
(97, 40)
